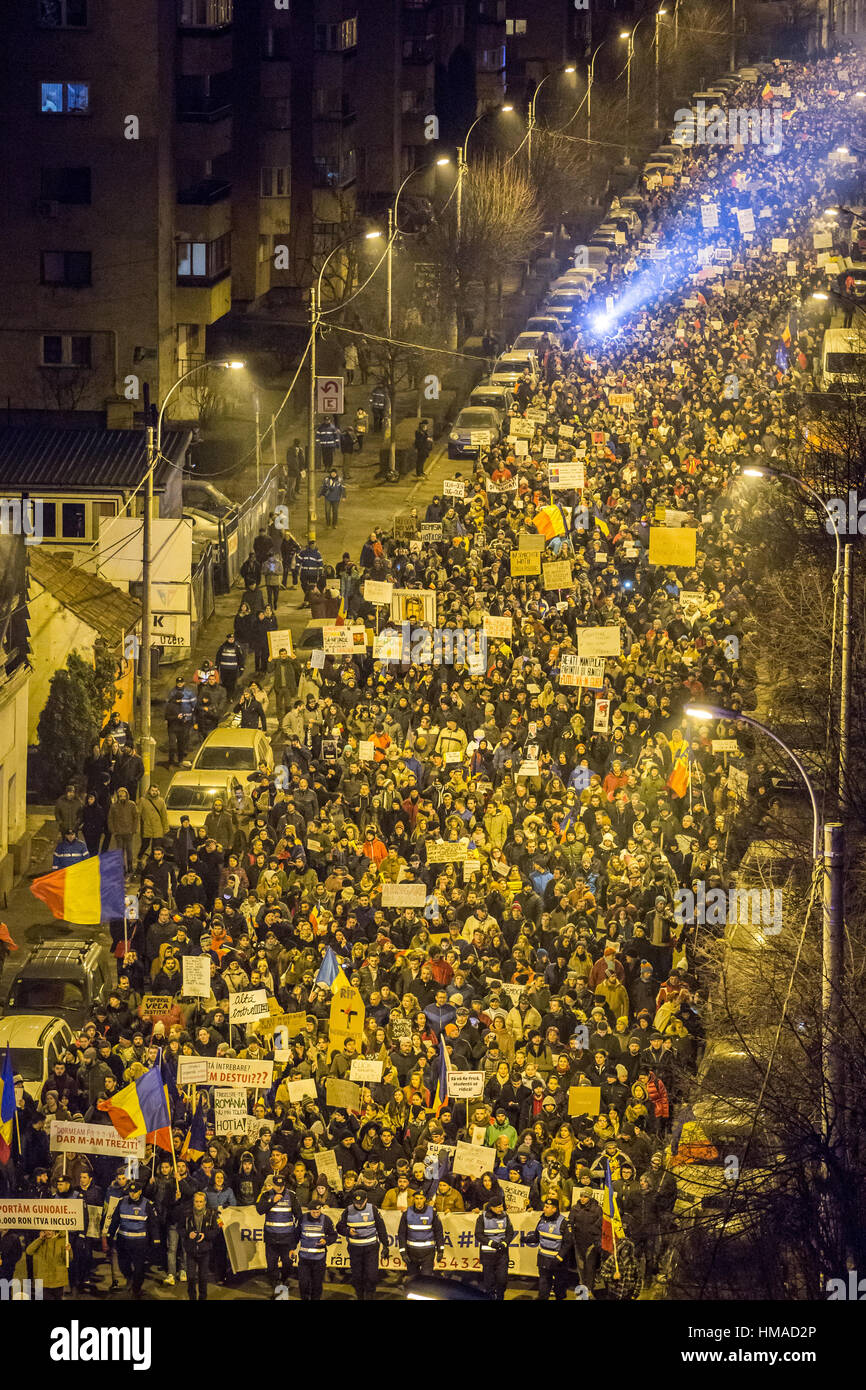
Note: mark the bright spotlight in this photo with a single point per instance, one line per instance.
(602, 322)
(235, 366)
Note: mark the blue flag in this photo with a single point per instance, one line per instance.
(329, 969)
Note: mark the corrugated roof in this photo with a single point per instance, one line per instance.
(33, 456)
(108, 610)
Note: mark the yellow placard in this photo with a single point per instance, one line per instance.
(672, 545)
(525, 562)
(584, 1100)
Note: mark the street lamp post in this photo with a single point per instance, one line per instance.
(532, 105)
(590, 78)
(659, 15)
(461, 161)
(153, 455)
(833, 959)
(628, 34)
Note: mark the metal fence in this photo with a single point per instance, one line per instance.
(239, 531)
(203, 601)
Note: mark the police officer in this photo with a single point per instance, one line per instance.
(229, 661)
(494, 1233)
(282, 1213)
(549, 1235)
(420, 1238)
(364, 1229)
(132, 1228)
(314, 1233)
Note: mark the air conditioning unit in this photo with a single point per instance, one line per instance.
(45, 207)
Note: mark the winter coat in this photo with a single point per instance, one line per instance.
(154, 817)
(123, 818)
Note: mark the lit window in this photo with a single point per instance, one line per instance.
(204, 14)
(62, 14)
(515, 26)
(65, 98)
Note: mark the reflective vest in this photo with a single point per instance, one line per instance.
(419, 1228)
(280, 1221)
(132, 1223)
(494, 1229)
(362, 1226)
(312, 1230)
(550, 1235)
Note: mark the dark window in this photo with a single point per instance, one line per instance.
(49, 518)
(66, 185)
(62, 14)
(70, 268)
(74, 520)
(66, 350)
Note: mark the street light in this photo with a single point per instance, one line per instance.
(315, 317)
(659, 15)
(832, 963)
(462, 162)
(629, 35)
(568, 71)
(153, 454)
(590, 78)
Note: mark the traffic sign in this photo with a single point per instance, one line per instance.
(329, 395)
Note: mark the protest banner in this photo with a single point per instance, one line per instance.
(247, 1005)
(447, 851)
(70, 1136)
(454, 487)
(230, 1110)
(366, 1070)
(224, 1071)
(587, 672)
(404, 894)
(196, 977)
(464, 1085)
(304, 1089)
(584, 1100)
(557, 574)
(278, 640)
(525, 562)
(472, 1160)
(155, 1005)
(599, 641)
(41, 1214)
(672, 546)
(516, 1196)
(520, 429)
(344, 1094)
(567, 476)
(508, 485)
(498, 627)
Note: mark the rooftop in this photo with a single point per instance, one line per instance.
(108, 610)
(35, 456)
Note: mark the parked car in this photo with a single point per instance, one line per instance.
(476, 427)
(229, 749)
(528, 340)
(205, 528)
(497, 397)
(37, 1043)
(204, 497)
(510, 368)
(193, 794)
(61, 978)
(545, 323)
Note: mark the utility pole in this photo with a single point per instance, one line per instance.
(148, 744)
(733, 35)
(659, 14)
(461, 165)
(833, 962)
(258, 441)
(845, 693)
(389, 323)
(311, 436)
(274, 440)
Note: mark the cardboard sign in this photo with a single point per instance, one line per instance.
(247, 1005)
(42, 1213)
(326, 1167)
(822, 241)
(525, 562)
(531, 541)
(556, 574)
(378, 591)
(566, 431)
(430, 532)
(342, 1095)
(454, 487)
(528, 768)
(277, 640)
(516, 1196)
(672, 546)
(68, 1137)
(447, 851)
(569, 477)
(521, 448)
(155, 1005)
(498, 627)
(304, 1089)
(623, 400)
(549, 451)
(196, 977)
(465, 1085)
(725, 745)
(599, 641)
(709, 216)
(366, 750)
(521, 429)
(779, 244)
(601, 717)
(586, 672)
(472, 1160)
(338, 641)
(224, 1071)
(584, 1100)
(745, 220)
(404, 894)
(366, 1070)
(230, 1110)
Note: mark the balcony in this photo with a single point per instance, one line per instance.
(204, 98)
(207, 110)
(418, 52)
(204, 16)
(206, 192)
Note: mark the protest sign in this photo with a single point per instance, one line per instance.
(498, 627)
(709, 216)
(472, 1160)
(531, 541)
(521, 429)
(525, 562)
(454, 487)
(155, 1005)
(346, 1095)
(623, 400)
(224, 1071)
(317, 659)
(779, 244)
(556, 574)
(196, 977)
(42, 1213)
(464, 1085)
(446, 851)
(599, 641)
(822, 241)
(584, 1100)
(601, 716)
(230, 1110)
(430, 531)
(567, 476)
(404, 894)
(725, 745)
(745, 220)
(528, 768)
(247, 1005)
(586, 672)
(516, 1196)
(366, 750)
(366, 1070)
(326, 1167)
(304, 1089)
(377, 591)
(278, 640)
(672, 546)
(566, 431)
(69, 1136)
(338, 641)
(405, 526)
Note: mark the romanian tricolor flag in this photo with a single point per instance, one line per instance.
(550, 522)
(680, 777)
(141, 1108)
(611, 1225)
(7, 1106)
(194, 1144)
(601, 524)
(440, 1089)
(88, 893)
(767, 93)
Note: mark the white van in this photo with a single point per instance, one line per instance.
(843, 358)
(510, 368)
